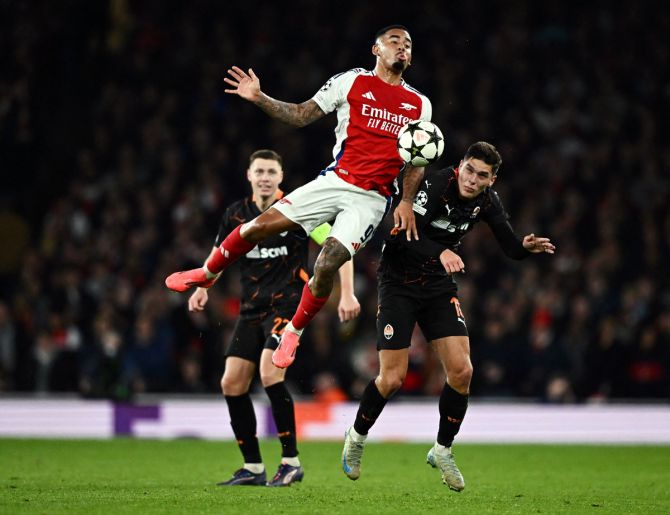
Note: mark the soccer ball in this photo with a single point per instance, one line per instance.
(420, 143)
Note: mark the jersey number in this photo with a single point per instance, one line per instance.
(368, 233)
(280, 323)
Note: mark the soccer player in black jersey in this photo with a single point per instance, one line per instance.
(273, 275)
(416, 285)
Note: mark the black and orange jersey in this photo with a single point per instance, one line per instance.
(272, 273)
(442, 219)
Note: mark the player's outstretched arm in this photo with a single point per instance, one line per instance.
(349, 307)
(403, 216)
(248, 86)
(536, 244)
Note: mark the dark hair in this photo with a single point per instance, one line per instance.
(265, 154)
(486, 152)
(384, 30)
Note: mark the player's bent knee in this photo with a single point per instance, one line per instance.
(272, 378)
(389, 384)
(232, 387)
(254, 231)
(460, 378)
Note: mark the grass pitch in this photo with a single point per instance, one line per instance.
(147, 476)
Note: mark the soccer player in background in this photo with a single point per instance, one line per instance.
(273, 275)
(353, 192)
(416, 285)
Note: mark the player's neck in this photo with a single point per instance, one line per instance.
(263, 203)
(388, 75)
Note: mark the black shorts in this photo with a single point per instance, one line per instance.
(401, 306)
(257, 331)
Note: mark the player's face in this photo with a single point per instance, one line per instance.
(394, 49)
(265, 175)
(474, 176)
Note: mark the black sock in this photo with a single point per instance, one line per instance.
(284, 415)
(370, 408)
(453, 406)
(243, 422)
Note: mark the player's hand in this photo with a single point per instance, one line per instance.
(348, 308)
(536, 244)
(197, 301)
(451, 262)
(247, 86)
(403, 219)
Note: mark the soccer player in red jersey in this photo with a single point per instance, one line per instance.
(353, 192)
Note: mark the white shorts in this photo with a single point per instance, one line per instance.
(356, 212)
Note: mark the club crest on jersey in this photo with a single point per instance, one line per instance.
(388, 331)
(406, 106)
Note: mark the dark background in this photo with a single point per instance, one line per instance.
(119, 151)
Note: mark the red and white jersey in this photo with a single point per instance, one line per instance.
(370, 113)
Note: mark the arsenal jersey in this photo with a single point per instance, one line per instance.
(370, 113)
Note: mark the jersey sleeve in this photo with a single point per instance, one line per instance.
(426, 109)
(225, 227)
(334, 92)
(498, 220)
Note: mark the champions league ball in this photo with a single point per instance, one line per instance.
(420, 143)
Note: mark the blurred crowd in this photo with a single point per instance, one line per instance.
(119, 151)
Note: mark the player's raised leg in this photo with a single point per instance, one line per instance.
(314, 295)
(240, 241)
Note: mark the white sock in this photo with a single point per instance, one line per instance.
(442, 448)
(290, 327)
(294, 462)
(356, 436)
(208, 274)
(256, 468)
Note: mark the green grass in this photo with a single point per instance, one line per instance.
(146, 476)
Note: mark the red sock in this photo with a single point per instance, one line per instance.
(232, 248)
(308, 308)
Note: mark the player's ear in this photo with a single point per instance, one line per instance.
(249, 174)
(493, 179)
(375, 50)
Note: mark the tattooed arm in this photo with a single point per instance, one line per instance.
(248, 86)
(403, 216)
